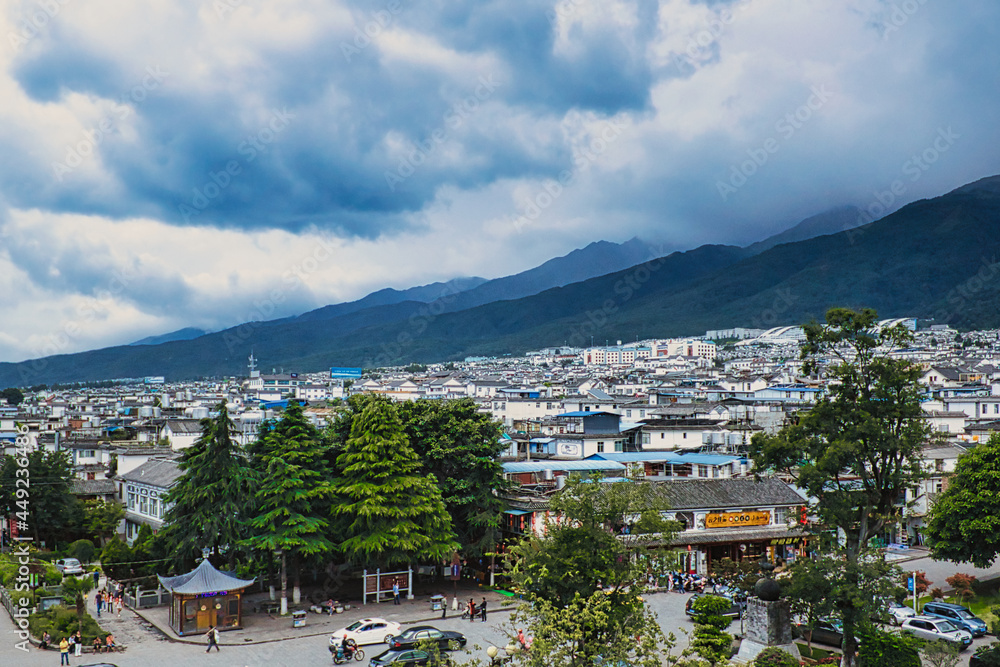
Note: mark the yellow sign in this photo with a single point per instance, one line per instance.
(736, 519)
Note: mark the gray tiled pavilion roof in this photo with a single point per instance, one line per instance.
(735, 493)
(203, 579)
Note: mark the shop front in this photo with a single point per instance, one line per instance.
(204, 598)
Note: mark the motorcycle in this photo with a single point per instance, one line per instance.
(340, 657)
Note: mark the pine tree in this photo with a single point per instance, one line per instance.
(212, 497)
(389, 513)
(292, 502)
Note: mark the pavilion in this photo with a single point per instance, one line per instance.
(205, 597)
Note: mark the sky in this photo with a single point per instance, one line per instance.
(203, 163)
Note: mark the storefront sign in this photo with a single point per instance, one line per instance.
(736, 519)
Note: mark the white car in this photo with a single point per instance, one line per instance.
(899, 613)
(367, 631)
(69, 566)
(933, 629)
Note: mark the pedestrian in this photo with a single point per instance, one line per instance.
(78, 643)
(46, 638)
(444, 608)
(70, 640)
(121, 604)
(482, 610)
(472, 610)
(64, 651)
(395, 592)
(98, 601)
(213, 639)
(97, 578)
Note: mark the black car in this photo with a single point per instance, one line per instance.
(411, 637)
(825, 631)
(408, 658)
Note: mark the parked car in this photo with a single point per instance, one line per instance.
(827, 631)
(935, 629)
(957, 614)
(409, 658)
(899, 612)
(69, 566)
(735, 606)
(367, 631)
(986, 656)
(411, 637)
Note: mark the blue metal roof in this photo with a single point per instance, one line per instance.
(665, 457)
(582, 413)
(569, 466)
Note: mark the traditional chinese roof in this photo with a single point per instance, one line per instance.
(203, 579)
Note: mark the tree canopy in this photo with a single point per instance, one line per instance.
(858, 449)
(211, 498)
(964, 522)
(387, 510)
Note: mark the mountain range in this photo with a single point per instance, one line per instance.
(934, 258)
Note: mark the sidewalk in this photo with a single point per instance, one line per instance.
(262, 628)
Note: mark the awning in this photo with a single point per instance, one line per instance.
(517, 512)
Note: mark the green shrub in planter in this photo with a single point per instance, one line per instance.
(62, 622)
(82, 550)
(773, 656)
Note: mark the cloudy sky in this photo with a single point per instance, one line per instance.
(176, 163)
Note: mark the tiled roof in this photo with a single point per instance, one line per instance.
(155, 472)
(736, 493)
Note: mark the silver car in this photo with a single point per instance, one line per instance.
(937, 629)
(899, 613)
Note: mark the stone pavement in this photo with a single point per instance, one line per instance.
(260, 627)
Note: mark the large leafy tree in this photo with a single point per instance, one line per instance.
(460, 446)
(52, 511)
(388, 512)
(293, 492)
(857, 450)
(964, 523)
(102, 518)
(583, 579)
(211, 499)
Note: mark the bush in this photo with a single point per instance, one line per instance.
(878, 648)
(82, 550)
(60, 621)
(989, 656)
(773, 656)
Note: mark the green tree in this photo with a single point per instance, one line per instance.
(294, 492)
(809, 588)
(460, 446)
(74, 590)
(211, 498)
(582, 581)
(388, 513)
(858, 450)
(116, 559)
(710, 640)
(101, 518)
(964, 521)
(52, 510)
(12, 395)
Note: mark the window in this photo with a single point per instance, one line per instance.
(628, 413)
(684, 435)
(939, 465)
(143, 505)
(702, 471)
(619, 445)
(780, 515)
(600, 446)
(131, 500)
(645, 438)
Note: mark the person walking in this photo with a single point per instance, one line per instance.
(395, 592)
(64, 651)
(444, 607)
(98, 601)
(482, 610)
(97, 578)
(213, 639)
(472, 610)
(78, 643)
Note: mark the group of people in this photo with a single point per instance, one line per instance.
(110, 600)
(686, 583)
(74, 643)
(474, 610)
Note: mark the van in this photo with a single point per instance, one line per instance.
(957, 614)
